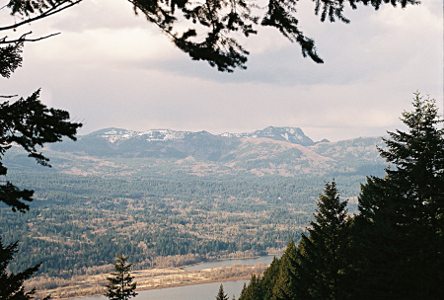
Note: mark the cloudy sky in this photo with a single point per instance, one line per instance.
(109, 68)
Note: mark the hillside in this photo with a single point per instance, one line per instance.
(276, 151)
(157, 194)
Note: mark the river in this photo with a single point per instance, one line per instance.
(205, 291)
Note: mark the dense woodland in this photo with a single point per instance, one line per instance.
(92, 205)
(393, 248)
(78, 222)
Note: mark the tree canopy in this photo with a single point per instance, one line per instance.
(393, 249)
(321, 262)
(213, 28)
(12, 285)
(30, 124)
(400, 226)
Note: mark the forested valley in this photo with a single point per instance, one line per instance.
(77, 222)
(156, 200)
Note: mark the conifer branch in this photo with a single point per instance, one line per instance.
(53, 10)
(23, 38)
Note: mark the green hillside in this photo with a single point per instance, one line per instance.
(205, 195)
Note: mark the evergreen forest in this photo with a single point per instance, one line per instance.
(78, 222)
(393, 248)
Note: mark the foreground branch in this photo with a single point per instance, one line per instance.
(23, 38)
(53, 10)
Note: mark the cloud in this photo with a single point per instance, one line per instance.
(105, 46)
(110, 68)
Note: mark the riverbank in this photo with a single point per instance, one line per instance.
(94, 285)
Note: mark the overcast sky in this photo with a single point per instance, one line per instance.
(109, 68)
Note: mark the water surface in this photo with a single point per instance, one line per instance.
(205, 291)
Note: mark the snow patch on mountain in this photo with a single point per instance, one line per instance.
(115, 135)
(293, 135)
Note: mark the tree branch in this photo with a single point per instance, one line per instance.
(49, 12)
(23, 39)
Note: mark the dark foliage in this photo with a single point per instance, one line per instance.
(401, 220)
(214, 25)
(393, 249)
(321, 263)
(221, 294)
(120, 284)
(11, 285)
(29, 124)
(10, 58)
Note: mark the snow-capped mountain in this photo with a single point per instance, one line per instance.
(282, 151)
(294, 135)
(116, 135)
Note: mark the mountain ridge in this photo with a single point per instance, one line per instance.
(293, 135)
(275, 151)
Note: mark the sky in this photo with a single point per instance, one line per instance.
(109, 68)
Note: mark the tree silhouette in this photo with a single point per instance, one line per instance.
(29, 124)
(11, 285)
(284, 288)
(120, 284)
(400, 228)
(221, 294)
(218, 22)
(321, 262)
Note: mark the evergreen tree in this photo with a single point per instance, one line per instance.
(242, 293)
(221, 294)
(253, 291)
(270, 278)
(11, 285)
(121, 286)
(400, 231)
(29, 124)
(285, 286)
(321, 260)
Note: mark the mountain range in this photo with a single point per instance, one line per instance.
(177, 192)
(280, 151)
(293, 135)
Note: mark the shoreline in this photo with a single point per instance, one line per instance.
(225, 259)
(159, 278)
(176, 285)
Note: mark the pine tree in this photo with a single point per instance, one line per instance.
(120, 285)
(253, 291)
(242, 293)
(270, 278)
(400, 231)
(29, 124)
(12, 285)
(221, 294)
(321, 262)
(285, 285)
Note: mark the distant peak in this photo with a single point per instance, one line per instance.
(293, 135)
